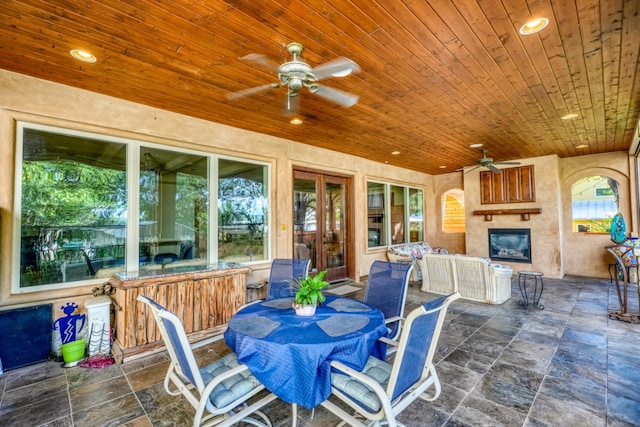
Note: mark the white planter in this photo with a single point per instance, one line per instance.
(305, 310)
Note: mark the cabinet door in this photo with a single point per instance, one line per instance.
(513, 185)
(519, 184)
(491, 187)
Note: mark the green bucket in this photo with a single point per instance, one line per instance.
(73, 351)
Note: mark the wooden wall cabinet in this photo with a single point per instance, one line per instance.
(513, 185)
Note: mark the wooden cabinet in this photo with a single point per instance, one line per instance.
(513, 185)
(204, 300)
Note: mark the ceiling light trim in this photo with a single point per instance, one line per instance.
(83, 55)
(534, 26)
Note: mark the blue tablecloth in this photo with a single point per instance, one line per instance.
(291, 355)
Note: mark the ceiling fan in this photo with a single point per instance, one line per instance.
(296, 74)
(488, 163)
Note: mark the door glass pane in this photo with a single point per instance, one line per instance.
(304, 215)
(174, 198)
(334, 228)
(242, 211)
(376, 234)
(416, 228)
(73, 207)
(397, 214)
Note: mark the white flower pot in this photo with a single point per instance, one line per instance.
(304, 310)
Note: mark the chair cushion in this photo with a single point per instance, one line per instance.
(233, 387)
(375, 368)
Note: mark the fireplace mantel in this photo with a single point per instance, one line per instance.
(524, 213)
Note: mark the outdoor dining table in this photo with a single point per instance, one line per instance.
(291, 355)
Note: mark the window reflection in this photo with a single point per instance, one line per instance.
(242, 211)
(173, 201)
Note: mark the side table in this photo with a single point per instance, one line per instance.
(522, 284)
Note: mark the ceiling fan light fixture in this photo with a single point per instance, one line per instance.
(83, 56)
(534, 26)
(343, 73)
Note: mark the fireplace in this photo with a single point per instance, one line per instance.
(510, 244)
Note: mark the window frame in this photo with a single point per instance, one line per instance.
(133, 149)
(387, 228)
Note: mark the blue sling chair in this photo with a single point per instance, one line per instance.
(218, 391)
(382, 390)
(387, 291)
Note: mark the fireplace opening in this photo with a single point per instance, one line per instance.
(510, 244)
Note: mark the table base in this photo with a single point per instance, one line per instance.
(522, 284)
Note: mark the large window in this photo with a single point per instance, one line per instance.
(389, 209)
(90, 205)
(242, 211)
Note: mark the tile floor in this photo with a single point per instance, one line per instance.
(566, 365)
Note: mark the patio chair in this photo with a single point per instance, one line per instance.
(222, 388)
(382, 390)
(283, 273)
(387, 290)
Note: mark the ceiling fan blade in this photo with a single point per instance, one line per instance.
(493, 168)
(335, 66)
(338, 96)
(250, 91)
(261, 60)
(468, 170)
(506, 163)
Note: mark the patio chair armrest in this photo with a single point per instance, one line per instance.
(394, 319)
(388, 341)
(207, 341)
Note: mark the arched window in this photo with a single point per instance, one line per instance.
(594, 201)
(453, 212)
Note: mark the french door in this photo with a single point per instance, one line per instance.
(322, 224)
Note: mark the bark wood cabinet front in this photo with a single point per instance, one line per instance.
(204, 300)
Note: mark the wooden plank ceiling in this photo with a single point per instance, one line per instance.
(436, 76)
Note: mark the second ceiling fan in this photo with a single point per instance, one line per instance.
(490, 164)
(296, 74)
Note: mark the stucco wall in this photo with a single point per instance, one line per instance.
(546, 231)
(556, 250)
(584, 254)
(43, 102)
(452, 242)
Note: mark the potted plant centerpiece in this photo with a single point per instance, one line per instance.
(309, 294)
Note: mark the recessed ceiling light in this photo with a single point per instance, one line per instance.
(296, 121)
(582, 146)
(476, 145)
(395, 153)
(533, 26)
(569, 116)
(83, 56)
(442, 167)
